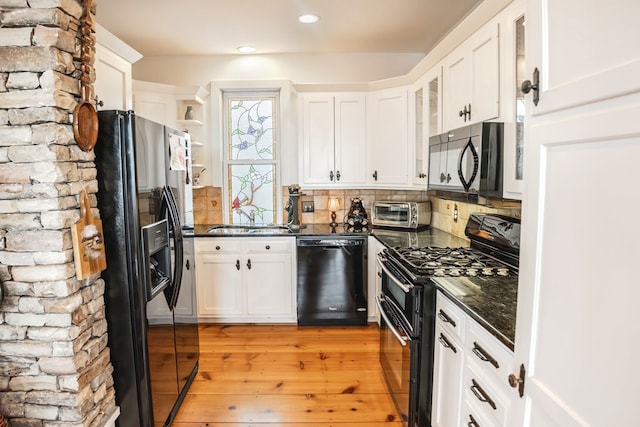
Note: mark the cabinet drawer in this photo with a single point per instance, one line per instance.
(223, 246)
(450, 317)
(491, 356)
(471, 417)
(483, 398)
(277, 245)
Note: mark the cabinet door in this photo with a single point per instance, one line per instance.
(350, 139)
(420, 141)
(389, 138)
(113, 80)
(448, 364)
(219, 279)
(318, 139)
(484, 62)
(586, 120)
(269, 284)
(455, 92)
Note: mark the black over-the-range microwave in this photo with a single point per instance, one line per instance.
(468, 159)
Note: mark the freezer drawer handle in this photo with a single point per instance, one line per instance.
(446, 344)
(446, 319)
(483, 355)
(481, 394)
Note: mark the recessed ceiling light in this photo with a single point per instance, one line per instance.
(246, 49)
(308, 19)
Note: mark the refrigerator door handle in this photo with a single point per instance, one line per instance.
(178, 267)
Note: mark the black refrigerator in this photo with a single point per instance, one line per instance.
(145, 201)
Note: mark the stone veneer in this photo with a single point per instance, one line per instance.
(208, 206)
(54, 361)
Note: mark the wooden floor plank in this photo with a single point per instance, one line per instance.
(286, 376)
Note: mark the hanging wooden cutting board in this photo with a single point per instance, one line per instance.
(88, 241)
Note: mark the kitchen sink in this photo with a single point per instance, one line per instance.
(248, 229)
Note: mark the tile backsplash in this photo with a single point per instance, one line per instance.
(207, 205)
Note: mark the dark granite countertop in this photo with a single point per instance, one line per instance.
(306, 230)
(490, 301)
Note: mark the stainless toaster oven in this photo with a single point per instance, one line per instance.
(412, 215)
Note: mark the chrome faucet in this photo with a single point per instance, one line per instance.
(251, 215)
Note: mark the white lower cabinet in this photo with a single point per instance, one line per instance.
(448, 360)
(470, 385)
(246, 279)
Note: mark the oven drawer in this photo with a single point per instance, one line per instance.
(450, 317)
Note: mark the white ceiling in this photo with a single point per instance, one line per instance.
(214, 27)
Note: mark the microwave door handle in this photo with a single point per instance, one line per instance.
(405, 288)
(402, 340)
(467, 184)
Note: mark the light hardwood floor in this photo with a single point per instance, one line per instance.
(272, 375)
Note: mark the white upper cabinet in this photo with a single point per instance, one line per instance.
(113, 85)
(334, 134)
(388, 142)
(471, 80)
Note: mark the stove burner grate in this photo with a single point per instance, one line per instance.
(431, 261)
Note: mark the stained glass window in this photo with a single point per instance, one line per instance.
(251, 158)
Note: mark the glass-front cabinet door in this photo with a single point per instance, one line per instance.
(515, 115)
(420, 141)
(427, 120)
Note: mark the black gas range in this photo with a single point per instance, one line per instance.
(408, 301)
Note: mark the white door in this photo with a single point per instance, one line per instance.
(578, 318)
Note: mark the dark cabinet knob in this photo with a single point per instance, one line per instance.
(375, 175)
(267, 247)
(337, 175)
(331, 176)
(238, 264)
(249, 264)
(218, 248)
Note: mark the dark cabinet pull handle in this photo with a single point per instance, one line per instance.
(238, 264)
(443, 177)
(218, 248)
(331, 176)
(187, 265)
(446, 344)
(472, 422)
(337, 175)
(249, 264)
(445, 318)
(375, 175)
(483, 355)
(481, 394)
(466, 113)
(528, 86)
(267, 247)
(448, 178)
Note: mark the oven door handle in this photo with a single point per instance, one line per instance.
(402, 340)
(405, 288)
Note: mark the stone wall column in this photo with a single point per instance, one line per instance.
(54, 360)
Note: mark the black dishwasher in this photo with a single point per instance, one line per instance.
(332, 280)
